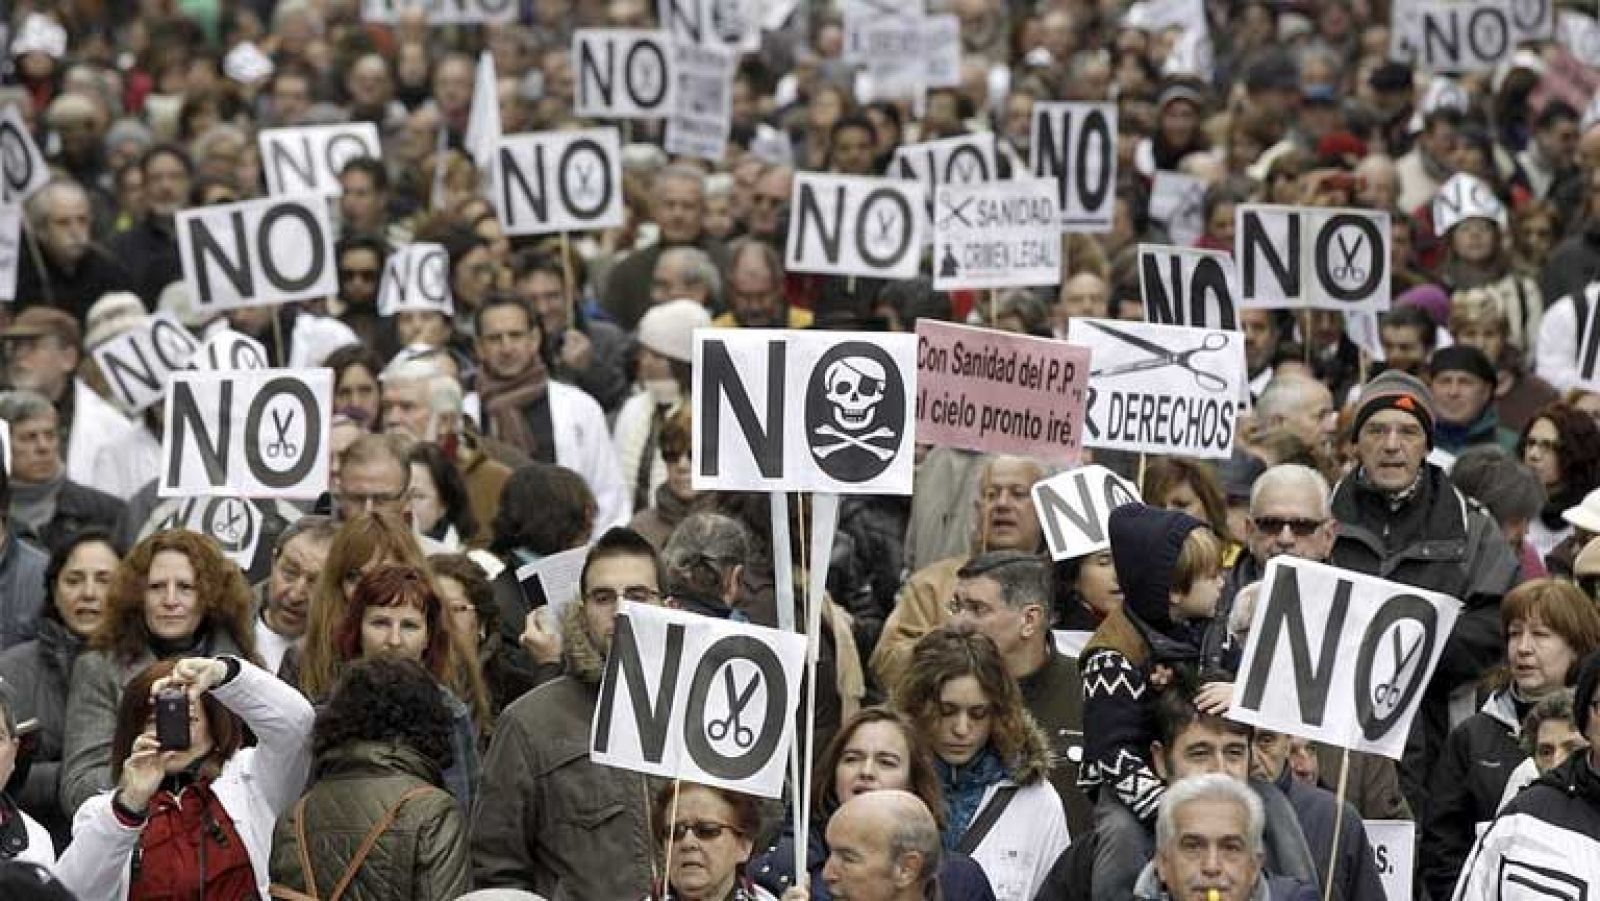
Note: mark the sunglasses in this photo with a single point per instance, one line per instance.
(704, 830)
(1273, 525)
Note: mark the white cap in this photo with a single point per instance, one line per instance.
(668, 328)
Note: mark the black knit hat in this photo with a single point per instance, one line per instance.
(1145, 542)
(1463, 358)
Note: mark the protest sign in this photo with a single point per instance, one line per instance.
(308, 160)
(1188, 286)
(483, 119)
(941, 51)
(693, 697)
(247, 433)
(702, 108)
(1465, 197)
(730, 23)
(1444, 93)
(1162, 389)
(228, 350)
(998, 392)
(872, 27)
(234, 523)
(964, 160)
(23, 169)
(137, 363)
(556, 181)
(10, 250)
(266, 251)
(1323, 258)
(997, 235)
(1579, 34)
(442, 12)
(1475, 35)
(1178, 202)
(623, 73)
(1074, 506)
(848, 225)
(552, 581)
(1394, 846)
(1347, 656)
(780, 410)
(416, 277)
(1075, 144)
(1070, 642)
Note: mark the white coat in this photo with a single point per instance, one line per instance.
(1022, 846)
(256, 786)
(95, 422)
(129, 460)
(583, 445)
(1555, 356)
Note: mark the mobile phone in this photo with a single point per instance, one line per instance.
(172, 719)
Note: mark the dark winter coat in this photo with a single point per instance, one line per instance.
(36, 675)
(1465, 788)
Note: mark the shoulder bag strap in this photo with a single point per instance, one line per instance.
(371, 841)
(986, 819)
(283, 891)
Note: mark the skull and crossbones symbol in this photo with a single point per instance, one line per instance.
(855, 387)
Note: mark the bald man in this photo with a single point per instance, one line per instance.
(882, 846)
(1299, 406)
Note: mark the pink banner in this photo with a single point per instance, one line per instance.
(998, 392)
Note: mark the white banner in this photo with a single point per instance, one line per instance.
(308, 160)
(727, 715)
(622, 73)
(1476, 35)
(1394, 849)
(847, 225)
(1464, 197)
(1074, 507)
(1161, 389)
(234, 523)
(556, 181)
(416, 277)
(442, 12)
(1076, 144)
(1178, 202)
(227, 350)
(996, 235)
(964, 160)
(266, 251)
(10, 250)
(552, 581)
(138, 363)
(1323, 258)
(734, 23)
(21, 162)
(780, 410)
(1189, 286)
(702, 111)
(247, 433)
(1346, 656)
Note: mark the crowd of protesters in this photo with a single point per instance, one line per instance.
(369, 706)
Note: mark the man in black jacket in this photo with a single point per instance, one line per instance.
(150, 247)
(1355, 874)
(61, 267)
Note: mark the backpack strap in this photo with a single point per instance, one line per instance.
(371, 841)
(973, 837)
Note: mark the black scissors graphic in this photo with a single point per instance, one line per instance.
(283, 446)
(1164, 358)
(743, 735)
(1348, 271)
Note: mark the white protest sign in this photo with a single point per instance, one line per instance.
(1444, 93)
(848, 225)
(40, 34)
(5, 445)
(416, 277)
(137, 363)
(10, 250)
(308, 160)
(1475, 35)
(234, 523)
(1394, 848)
(442, 12)
(1178, 202)
(692, 697)
(1189, 286)
(556, 181)
(622, 73)
(272, 250)
(227, 350)
(1160, 15)
(941, 51)
(1580, 34)
(734, 23)
(483, 117)
(552, 581)
(1465, 197)
(1323, 258)
(246, 64)
(874, 26)
(702, 109)
(1074, 506)
(1161, 389)
(21, 162)
(1347, 656)
(782, 410)
(964, 160)
(249, 433)
(1076, 144)
(996, 235)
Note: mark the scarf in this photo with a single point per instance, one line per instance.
(34, 503)
(964, 787)
(503, 403)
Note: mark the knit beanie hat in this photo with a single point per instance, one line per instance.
(1462, 358)
(1145, 542)
(668, 328)
(1396, 390)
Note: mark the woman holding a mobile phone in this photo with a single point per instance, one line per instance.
(193, 811)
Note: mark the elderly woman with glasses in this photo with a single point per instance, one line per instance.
(707, 833)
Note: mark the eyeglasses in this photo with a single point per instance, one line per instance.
(368, 500)
(365, 275)
(1548, 445)
(608, 597)
(704, 830)
(1274, 525)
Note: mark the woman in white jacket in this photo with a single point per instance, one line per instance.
(993, 760)
(202, 816)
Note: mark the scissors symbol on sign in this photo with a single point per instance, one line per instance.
(743, 735)
(957, 212)
(1163, 358)
(282, 447)
(1349, 270)
(1390, 693)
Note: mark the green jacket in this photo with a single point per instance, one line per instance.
(423, 855)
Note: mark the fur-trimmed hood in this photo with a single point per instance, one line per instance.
(585, 661)
(1035, 758)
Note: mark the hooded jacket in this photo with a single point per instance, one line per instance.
(1545, 844)
(423, 853)
(1031, 833)
(549, 819)
(1468, 780)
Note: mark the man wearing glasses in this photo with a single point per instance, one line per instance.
(1400, 519)
(549, 819)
